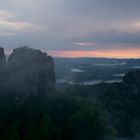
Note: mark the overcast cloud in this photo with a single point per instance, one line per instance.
(70, 24)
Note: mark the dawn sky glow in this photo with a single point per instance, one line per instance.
(72, 28)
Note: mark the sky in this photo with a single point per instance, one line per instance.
(72, 28)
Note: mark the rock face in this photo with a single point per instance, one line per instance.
(2, 58)
(132, 81)
(2, 66)
(30, 70)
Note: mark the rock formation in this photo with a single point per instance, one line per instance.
(132, 81)
(3, 73)
(30, 70)
(2, 58)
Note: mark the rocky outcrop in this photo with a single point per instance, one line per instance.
(2, 58)
(30, 70)
(2, 67)
(132, 81)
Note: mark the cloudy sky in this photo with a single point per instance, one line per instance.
(72, 28)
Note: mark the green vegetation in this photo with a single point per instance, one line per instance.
(101, 112)
(53, 118)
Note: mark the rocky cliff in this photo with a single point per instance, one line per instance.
(2, 66)
(2, 58)
(30, 70)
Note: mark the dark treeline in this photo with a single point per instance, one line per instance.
(52, 118)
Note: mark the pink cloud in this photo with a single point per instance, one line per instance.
(85, 43)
